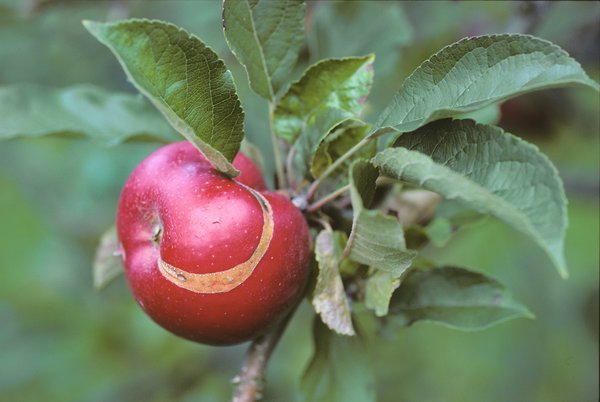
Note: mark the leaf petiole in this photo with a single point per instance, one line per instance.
(312, 190)
(281, 179)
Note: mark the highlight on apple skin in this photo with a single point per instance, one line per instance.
(210, 259)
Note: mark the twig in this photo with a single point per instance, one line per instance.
(322, 220)
(315, 185)
(330, 197)
(250, 381)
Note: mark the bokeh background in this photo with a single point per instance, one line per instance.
(62, 341)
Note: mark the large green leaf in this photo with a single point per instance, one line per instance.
(184, 79)
(454, 297)
(490, 171)
(84, 110)
(476, 72)
(329, 297)
(339, 369)
(265, 36)
(334, 83)
(376, 240)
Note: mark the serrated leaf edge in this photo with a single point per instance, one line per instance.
(219, 161)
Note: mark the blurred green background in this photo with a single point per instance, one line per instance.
(62, 341)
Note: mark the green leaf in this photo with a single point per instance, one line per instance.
(362, 176)
(337, 143)
(379, 288)
(490, 171)
(339, 369)
(334, 83)
(376, 240)
(317, 127)
(455, 297)
(329, 297)
(184, 79)
(265, 36)
(477, 72)
(385, 31)
(107, 263)
(30, 110)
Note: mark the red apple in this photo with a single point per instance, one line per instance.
(250, 175)
(209, 258)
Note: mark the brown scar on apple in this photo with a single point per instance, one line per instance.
(224, 281)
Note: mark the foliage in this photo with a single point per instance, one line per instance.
(266, 37)
(184, 79)
(500, 175)
(32, 110)
(370, 280)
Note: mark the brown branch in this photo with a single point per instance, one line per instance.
(250, 382)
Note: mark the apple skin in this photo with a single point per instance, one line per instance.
(175, 207)
(250, 175)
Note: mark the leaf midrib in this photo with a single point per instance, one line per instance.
(260, 50)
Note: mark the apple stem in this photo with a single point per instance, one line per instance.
(250, 381)
(281, 179)
(329, 197)
(315, 185)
